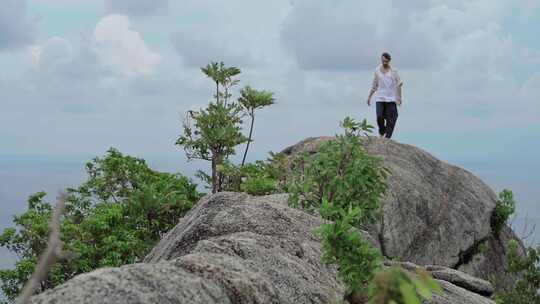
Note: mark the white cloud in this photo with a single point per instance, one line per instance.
(123, 47)
(65, 74)
(113, 47)
(243, 32)
(198, 46)
(349, 34)
(54, 51)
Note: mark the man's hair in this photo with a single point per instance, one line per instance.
(387, 56)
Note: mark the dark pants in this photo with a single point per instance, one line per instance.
(386, 112)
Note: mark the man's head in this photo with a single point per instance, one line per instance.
(385, 59)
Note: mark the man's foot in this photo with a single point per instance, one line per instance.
(381, 135)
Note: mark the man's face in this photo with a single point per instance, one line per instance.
(385, 62)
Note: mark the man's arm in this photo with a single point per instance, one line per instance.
(374, 86)
(399, 85)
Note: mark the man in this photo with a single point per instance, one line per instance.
(387, 89)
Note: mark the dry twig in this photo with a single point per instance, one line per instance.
(50, 256)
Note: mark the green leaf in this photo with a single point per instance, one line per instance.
(422, 289)
(408, 293)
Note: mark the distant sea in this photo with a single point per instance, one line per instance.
(22, 176)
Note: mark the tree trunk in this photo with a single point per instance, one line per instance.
(249, 138)
(214, 174)
(226, 93)
(217, 91)
(219, 161)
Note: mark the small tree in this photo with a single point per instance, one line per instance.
(251, 100)
(216, 130)
(215, 134)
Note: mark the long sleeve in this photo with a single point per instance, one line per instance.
(374, 84)
(399, 85)
(399, 82)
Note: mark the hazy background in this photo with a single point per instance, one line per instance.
(80, 76)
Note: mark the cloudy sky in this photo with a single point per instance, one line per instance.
(80, 76)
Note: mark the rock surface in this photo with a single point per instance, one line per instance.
(458, 287)
(490, 263)
(231, 248)
(453, 294)
(461, 279)
(434, 212)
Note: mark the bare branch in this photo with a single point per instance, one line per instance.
(52, 253)
(512, 220)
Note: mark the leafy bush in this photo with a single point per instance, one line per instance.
(343, 245)
(504, 207)
(342, 173)
(257, 178)
(344, 184)
(113, 218)
(395, 286)
(259, 186)
(528, 267)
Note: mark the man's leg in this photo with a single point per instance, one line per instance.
(392, 115)
(380, 117)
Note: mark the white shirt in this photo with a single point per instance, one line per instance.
(385, 84)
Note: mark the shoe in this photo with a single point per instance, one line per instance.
(381, 135)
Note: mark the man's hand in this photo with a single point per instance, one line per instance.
(398, 102)
(369, 102)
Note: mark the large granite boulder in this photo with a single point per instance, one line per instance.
(233, 248)
(434, 212)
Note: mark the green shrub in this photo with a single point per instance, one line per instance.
(342, 173)
(344, 184)
(395, 286)
(258, 178)
(343, 245)
(113, 218)
(504, 207)
(528, 268)
(259, 186)
(482, 248)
